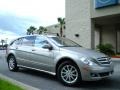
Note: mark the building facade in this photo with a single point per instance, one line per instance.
(93, 22)
(55, 29)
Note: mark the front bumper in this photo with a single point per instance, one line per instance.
(96, 73)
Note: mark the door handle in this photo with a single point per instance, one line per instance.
(33, 50)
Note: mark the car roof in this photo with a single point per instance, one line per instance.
(31, 35)
(46, 35)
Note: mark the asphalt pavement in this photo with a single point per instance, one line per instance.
(45, 81)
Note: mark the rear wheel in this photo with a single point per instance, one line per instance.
(12, 64)
(68, 73)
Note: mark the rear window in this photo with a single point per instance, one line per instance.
(16, 42)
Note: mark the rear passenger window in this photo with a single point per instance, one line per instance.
(28, 41)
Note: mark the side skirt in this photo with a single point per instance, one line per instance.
(52, 73)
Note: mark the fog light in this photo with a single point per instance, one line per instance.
(94, 75)
(112, 72)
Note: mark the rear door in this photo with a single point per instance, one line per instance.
(24, 51)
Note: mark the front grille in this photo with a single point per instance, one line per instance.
(103, 60)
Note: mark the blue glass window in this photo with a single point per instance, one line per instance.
(103, 3)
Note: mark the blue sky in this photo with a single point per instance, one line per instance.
(17, 15)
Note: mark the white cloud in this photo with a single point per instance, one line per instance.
(7, 35)
(45, 11)
(17, 15)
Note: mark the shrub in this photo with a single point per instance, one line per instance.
(106, 49)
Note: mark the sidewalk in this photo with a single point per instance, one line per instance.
(115, 59)
(22, 85)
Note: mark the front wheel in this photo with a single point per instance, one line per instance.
(68, 73)
(12, 64)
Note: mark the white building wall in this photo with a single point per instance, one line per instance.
(80, 17)
(78, 21)
(53, 29)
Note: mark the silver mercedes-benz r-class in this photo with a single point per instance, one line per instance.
(59, 56)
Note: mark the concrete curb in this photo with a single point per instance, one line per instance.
(116, 59)
(20, 84)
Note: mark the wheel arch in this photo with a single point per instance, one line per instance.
(11, 54)
(63, 60)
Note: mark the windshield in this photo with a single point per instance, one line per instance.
(63, 42)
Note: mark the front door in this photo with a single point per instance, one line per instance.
(43, 58)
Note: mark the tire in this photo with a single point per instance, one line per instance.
(12, 64)
(68, 73)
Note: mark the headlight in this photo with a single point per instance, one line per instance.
(87, 61)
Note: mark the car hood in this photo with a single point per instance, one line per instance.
(84, 52)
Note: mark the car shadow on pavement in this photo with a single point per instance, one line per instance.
(38, 73)
(104, 84)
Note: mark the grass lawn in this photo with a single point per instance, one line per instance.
(5, 85)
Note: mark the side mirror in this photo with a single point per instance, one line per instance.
(47, 46)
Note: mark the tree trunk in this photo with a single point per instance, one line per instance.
(61, 32)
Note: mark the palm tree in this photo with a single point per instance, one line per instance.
(62, 25)
(41, 30)
(2, 41)
(28, 31)
(45, 30)
(31, 30)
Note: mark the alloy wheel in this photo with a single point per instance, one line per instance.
(69, 74)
